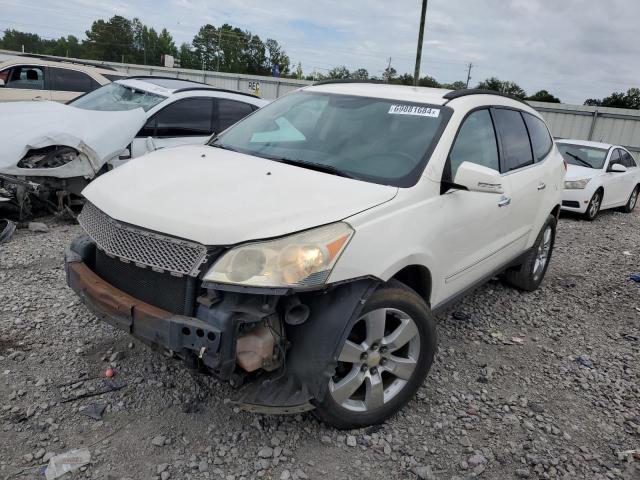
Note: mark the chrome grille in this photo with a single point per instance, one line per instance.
(144, 248)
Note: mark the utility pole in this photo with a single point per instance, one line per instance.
(416, 73)
(469, 67)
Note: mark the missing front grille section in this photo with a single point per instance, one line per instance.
(162, 290)
(160, 252)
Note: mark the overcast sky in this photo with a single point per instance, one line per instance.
(576, 49)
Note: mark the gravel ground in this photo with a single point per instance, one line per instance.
(540, 385)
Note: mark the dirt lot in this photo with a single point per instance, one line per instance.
(541, 385)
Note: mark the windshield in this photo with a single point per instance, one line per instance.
(582, 155)
(117, 97)
(378, 140)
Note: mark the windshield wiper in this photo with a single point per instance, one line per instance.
(319, 167)
(223, 147)
(579, 159)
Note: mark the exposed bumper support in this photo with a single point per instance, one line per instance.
(155, 327)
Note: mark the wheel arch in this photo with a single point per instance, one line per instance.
(418, 278)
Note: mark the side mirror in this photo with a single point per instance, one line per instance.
(477, 178)
(618, 168)
(150, 144)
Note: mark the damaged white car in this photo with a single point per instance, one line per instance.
(51, 151)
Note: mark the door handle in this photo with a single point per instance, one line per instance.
(542, 186)
(504, 201)
(36, 98)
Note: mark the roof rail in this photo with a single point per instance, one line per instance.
(51, 58)
(346, 80)
(453, 94)
(215, 89)
(201, 85)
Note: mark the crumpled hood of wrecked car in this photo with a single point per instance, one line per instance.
(30, 125)
(218, 197)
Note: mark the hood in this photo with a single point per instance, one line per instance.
(218, 197)
(577, 172)
(30, 125)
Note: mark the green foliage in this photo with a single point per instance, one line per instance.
(629, 99)
(543, 96)
(225, 48)
(510, 88)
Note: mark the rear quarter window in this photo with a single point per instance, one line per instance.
(541, 141)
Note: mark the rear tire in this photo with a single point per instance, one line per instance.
(383, 361)
(529, 275)
(594, 206)
(633, 200)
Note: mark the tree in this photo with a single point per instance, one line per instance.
(15, 40)
(543, 96)
(205, 47)
(497, 85)
(339, 72)
(458, 85)
(429, 81)
(188, 57)
(629, 99)
(277, 56)
(389, 74)
(112, 40)
(256, 56)
(360, 74)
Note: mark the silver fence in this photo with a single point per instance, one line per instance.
(617, 126)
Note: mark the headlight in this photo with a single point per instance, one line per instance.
(300, 260)
(576, 184)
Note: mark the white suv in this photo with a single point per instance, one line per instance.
(304, 252)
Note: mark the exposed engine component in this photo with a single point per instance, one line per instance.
(256, 349)
(48, 157)
(295, 312)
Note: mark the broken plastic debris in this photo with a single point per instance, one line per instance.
(67, 462)
(517, 340)
(109, 373)
(635, 277)
(7, 227)
(584, 361)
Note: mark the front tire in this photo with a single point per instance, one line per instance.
(383, 361)
(594, 206)
(633, 200)
(529, 275)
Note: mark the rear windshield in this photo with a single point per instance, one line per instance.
(590, 157)
(372, 139)
(117, 97)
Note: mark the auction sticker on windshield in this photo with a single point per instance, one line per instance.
(415, 110)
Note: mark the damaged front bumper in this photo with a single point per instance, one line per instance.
(307, 353)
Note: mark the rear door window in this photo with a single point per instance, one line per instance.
(514, 139)
(229, 112)
(475, 143)
(65, 80)
(25, 77)
(541, 141)
(183, 118)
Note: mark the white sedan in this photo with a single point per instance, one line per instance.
(599, 176)
(48, 147)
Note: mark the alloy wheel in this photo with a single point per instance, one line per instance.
(594, 207)
(542, 255)
(377, 360)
